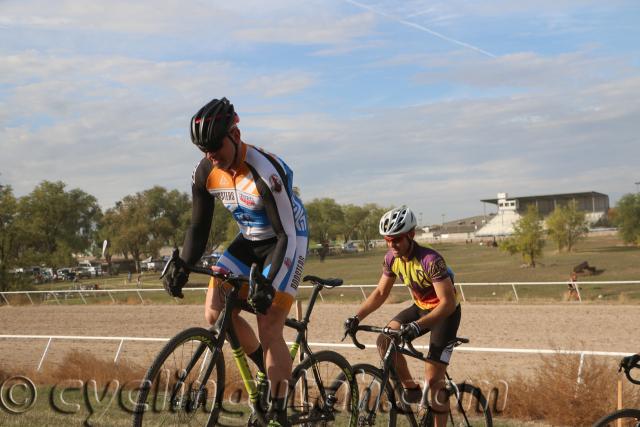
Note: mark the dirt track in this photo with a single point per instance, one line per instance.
(564, 326)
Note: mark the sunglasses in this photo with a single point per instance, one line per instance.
(392, 239)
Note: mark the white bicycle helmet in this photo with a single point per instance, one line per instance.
(397, 221)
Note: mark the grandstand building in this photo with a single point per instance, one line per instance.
(510, 209)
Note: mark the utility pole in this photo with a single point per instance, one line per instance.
(638, 187)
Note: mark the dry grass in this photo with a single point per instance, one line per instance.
(552, 395)
(83, 365)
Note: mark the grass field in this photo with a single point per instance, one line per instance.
(471, 263)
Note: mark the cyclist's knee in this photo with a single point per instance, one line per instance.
(271, 325)
(382, 342)
(211, 315)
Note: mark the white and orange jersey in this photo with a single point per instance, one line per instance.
(260, 197)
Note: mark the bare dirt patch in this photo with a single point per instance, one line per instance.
(562, 326)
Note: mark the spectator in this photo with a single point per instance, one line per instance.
(573, 287)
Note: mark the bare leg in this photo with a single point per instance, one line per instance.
(214, 304)
(400, 361)
(435, 375)
(278, 361)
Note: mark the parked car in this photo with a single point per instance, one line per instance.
(152, 265)
(83, 273)
(94, 269)
(349, 248)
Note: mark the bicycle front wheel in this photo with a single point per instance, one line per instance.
(369, 379)
(623, 417)
(468, 407)
(185, 383)
(323, 392)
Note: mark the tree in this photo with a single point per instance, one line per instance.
(223, 227)
(527, 238)
(368, 228)
(567, 225)
(57, 224)
(9, 234)
(325, 219)
(129, 226)
(627, 218)
(169, 213)
(353, 216)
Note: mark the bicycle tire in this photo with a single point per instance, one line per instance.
(323, 392)
(469, 407)
(473, 403)
(628, 417)
(369, 380)
(168, 373)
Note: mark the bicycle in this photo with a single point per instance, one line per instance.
(383, 389)
(624, 417)
(188, 375)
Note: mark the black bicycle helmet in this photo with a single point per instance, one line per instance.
(211, 124)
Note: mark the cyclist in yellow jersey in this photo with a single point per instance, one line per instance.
(435, 305)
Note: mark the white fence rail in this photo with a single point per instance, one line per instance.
(122, 340)
(82, 293)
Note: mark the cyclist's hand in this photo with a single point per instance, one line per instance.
(410, 331)
(174, 280)
(351, 325)
(630, 362)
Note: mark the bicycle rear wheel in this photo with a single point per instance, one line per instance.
(324, 392)
(184, 385)
(623, 417)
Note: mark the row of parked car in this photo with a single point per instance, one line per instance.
(47, 274)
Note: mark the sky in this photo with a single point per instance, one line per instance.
(432, 104)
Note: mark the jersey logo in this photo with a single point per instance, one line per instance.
(247, 200)
(276, 184)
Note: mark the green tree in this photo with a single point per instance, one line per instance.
(9, 235)
(627, 218)
(325, 219)
(57, 224)
(353, 216)
(528, 237)
(128, 228)
(169, 214)
(567, 225)
(223, 227)
(368, 228)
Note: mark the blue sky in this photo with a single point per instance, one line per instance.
(432, 104)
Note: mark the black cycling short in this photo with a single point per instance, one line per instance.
(443, 333)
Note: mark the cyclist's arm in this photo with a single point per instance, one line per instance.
(279, 209)
(195, 240)
(444, 291)
(377, 297)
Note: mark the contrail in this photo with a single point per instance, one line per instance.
(421, 28)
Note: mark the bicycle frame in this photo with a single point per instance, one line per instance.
(224, 329)
(389, 372)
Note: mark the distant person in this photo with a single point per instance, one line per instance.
(435, 307)
(324, 250)
(257, 188)
(572, 286)
(129, 277)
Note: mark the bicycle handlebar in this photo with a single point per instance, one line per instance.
(233, 279)
(628, 364)
(395, 334)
